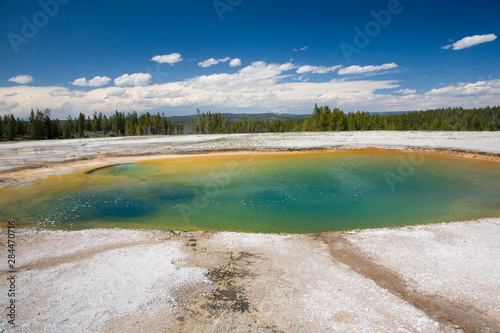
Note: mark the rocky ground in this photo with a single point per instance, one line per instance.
(433, 278)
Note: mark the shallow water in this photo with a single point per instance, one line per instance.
(269, 192)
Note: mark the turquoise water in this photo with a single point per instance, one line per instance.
(277, 192)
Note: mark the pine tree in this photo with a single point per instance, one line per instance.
(69, 128)
(80, 125)
(36, 125)
(10, 128)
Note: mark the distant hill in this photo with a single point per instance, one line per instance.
(239, 116)
(266, 116)
(388, 113)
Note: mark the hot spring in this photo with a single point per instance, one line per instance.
(293, 192)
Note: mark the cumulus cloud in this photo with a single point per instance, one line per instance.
(470, 41)
(22, 79)
(172, 58)
(235, 62)
(97, 81)
(81, 82)
(365, 69)
(163, 93)
(6, 107)
(208, 63)
(116, 92)
(255, 76)
(212, 61)
(317, 69)
(137, 79)
(259, 69)
(479, 88)
(406, 91)
(301, 49)
(66, 92)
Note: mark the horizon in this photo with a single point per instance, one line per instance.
(247, 57)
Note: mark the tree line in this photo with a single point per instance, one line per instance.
(40, 126)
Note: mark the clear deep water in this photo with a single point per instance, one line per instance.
(271, 192)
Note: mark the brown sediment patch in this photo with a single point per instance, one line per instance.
(466, 317)
(50, 262)
(220, 306)
(227, 275)
(101, 168)
(453, 152)
(31, 173)
(152, 236)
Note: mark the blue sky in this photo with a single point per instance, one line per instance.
(247, 56)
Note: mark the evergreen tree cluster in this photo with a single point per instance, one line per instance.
(40, 126)
(449, 119)
(325, 119)
(119, 124)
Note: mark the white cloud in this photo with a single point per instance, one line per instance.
(57, 92)
(97, 81)
(22, 79)
(163, 93)
(260, 70)
(81, 82)
(212, 61)
(116, 92)
(137, 79)
(479, 88)
(168, 58)
(317, 69)
(235, 62)
(406, 91)
(208, 63)
(257, 75)
(365, 69)
(470, 41)
(301, 49)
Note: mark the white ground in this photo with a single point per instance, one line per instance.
(143, 280)
(459, 261)
(150, 281)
